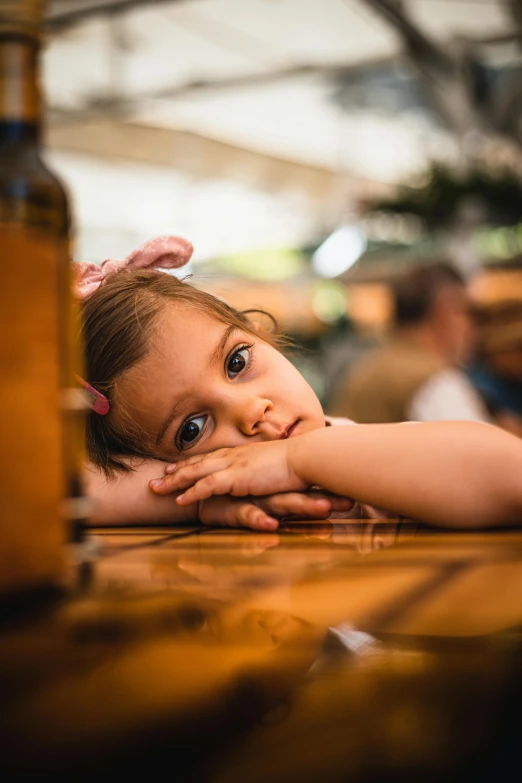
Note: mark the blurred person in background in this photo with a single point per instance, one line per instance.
(418, 374)
(496, 370)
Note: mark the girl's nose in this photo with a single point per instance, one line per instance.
(251, 414)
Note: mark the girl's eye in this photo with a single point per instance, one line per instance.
(191, 430)
(238, 361)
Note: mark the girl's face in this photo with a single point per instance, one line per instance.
(204, 385)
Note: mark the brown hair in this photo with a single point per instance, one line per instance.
(414, 291)
(119, 319)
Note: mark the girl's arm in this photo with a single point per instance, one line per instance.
(126, 499)
(451, 474)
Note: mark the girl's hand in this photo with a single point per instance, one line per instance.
(256, 469)
(264, 513)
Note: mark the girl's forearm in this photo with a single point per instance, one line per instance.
(444, 473)
(126, 499)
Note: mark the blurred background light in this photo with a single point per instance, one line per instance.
(339, 252)
(266, 264)
(329, 302)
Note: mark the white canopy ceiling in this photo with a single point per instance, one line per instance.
(320, 83)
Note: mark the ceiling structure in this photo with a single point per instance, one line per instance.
(289, 110)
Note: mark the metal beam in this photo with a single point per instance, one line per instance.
(122, 104)
(515, 8)
(64, 13)
(444, 75)
(417, 44)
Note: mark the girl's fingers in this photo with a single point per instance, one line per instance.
(185, 476)
(213, 484)
(173, 466)
(340, 503)
(305, 505)
(251, 516)
(298, 504)
(235, 512)
(181, 463)
(162, 486)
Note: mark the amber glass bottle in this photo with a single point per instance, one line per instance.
(41, 420)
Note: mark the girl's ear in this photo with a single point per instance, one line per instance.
(261, 321)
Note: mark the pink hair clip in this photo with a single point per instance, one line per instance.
(96, 401)
(165, 252)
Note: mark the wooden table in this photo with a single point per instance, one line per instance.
(326, 652)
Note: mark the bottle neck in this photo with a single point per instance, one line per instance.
(20, 100)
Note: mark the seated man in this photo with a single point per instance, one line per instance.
(417, 374)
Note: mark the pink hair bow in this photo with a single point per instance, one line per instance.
(166, 252)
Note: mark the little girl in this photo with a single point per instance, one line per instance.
(176, 376)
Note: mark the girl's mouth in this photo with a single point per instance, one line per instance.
(292, 429)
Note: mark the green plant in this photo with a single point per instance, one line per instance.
(438, 202)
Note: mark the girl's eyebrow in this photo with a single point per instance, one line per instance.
(216, 357)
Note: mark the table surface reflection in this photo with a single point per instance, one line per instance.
(361, 651)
